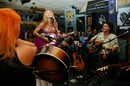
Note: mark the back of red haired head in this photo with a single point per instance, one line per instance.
(9, 31)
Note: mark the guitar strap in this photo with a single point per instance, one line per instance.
(17, 66)
(30, 69)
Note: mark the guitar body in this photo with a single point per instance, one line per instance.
(40, 43)
(78, 62)
(95, 47)
(51, 64)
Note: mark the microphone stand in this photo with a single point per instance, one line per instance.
(116, 37)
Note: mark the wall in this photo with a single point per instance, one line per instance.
(122, 45)
(122, 2)
(124, 53)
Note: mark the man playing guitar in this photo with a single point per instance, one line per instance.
(107, 47)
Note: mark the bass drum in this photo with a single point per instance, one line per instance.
(52, 64)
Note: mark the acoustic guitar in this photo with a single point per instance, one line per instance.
(78, 61)
(40, 43)
(95, 47)
(52, 64)
(103, 70)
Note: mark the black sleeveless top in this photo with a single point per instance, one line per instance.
(13, 75)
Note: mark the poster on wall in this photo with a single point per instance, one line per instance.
(89, 23)
(123, 17)
(70, 17)
(101, 18)
(80, 23)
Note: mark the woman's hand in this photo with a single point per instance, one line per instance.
(45, 39)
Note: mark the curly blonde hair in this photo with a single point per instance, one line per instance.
(45, 18)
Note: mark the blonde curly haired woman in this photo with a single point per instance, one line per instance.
(49, 29)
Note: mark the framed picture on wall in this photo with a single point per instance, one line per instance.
(101, 18)
(89, 20)
(70, 17)
(89, 23)
(80, 23)
(123, 16)
(98, 18)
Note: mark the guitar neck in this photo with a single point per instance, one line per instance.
(118, 65)
(70, 33)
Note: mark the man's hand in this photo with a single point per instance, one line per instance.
(127, 68)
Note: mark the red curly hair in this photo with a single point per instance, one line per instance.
(9, 32)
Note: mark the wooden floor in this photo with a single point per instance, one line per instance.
(93, 81)
(122, 77)
(102, 80)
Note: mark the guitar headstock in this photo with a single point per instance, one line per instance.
(73, 32)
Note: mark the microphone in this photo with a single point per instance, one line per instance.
(100, 30)
(80, 21)
(52, 18)
(43, 34)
